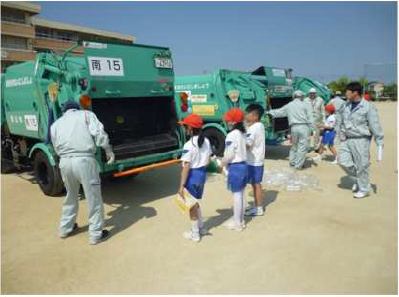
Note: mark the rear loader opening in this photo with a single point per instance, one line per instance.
(138, 126)
(280, 124)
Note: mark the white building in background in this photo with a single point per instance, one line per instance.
(377, 87)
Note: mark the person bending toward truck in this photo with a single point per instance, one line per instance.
(195, 157)
(300, 120)
(75, 137)
(255, 141)
(234, 161)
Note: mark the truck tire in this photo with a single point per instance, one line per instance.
(216, 139)
(48, 177)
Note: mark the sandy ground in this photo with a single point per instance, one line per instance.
(308, 242)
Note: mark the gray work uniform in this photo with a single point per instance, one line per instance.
(300, 121)
(338, 103)
(319, 116)
(75, 137)
(357, 127)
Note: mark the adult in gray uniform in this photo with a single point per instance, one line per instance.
(316, 104)
(337, 101)
(359, 123)
(75, 137)
(300, 121)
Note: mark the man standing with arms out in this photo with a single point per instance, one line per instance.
(75, 137)
(359, 123)
(300, 121)
(316, 105)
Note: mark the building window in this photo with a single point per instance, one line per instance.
(55, 34)
(44, 32)
(14, 16)
(13, 42)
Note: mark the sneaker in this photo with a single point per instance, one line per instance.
(191, 236)
(255, 212)
(231, 225)
(355, 188)
(104, 236)
(335, 162)
(243, 226)
(75, 227)
(360, 195)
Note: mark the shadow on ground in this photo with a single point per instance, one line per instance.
(346, 182)
(225, 214)
(127, 196)
(280, 152)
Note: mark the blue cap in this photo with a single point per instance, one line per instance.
(70, 104)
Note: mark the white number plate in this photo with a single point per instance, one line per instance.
(31, 123)
(163, 63)
(105, 66)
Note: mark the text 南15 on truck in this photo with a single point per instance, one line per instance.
(128, 87)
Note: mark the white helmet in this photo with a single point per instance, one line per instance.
(297, 94)
(312, 90)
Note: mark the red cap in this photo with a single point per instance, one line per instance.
(234, 115)
(192, 120)
(330, 108)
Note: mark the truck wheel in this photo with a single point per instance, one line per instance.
(217, 139)
(48, 177)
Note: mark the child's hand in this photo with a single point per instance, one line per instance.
(181, 192)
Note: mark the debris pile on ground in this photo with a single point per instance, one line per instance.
(290, 179)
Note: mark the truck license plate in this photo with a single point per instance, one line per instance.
(163, 63)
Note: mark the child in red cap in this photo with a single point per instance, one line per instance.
(235, 156)
(328, 134)
(195, 157)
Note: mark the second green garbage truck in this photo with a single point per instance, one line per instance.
(128, 87)
(212, 95)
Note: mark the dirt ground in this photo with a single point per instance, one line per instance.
(308, 242)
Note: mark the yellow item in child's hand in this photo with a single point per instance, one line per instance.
(185, 203)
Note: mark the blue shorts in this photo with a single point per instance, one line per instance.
(238, 177)
(255, 174)
(196, 181)
(328, 137)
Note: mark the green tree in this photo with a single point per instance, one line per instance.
(339, 84)
(364, 82)
(391, 91)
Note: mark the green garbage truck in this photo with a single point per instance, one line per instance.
(277, 83)
(212, 95)
(305, 84)
(128, 87)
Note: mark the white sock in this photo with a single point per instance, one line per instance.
(238, 207)
(195, 227)
(244, 204)
(200, 220)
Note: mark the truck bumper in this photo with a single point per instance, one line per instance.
(122, 165)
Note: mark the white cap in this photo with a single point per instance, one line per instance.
(312, 90)
(297, 94)
(338, 93)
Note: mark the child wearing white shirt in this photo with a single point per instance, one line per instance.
(234, 159)
(256, 143)
(195, 157)
(328, 134)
